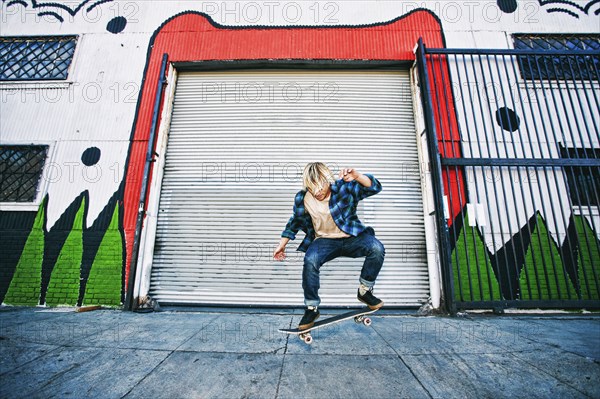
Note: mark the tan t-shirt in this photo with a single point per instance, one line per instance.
(321, 217)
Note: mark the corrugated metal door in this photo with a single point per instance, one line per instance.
(236, 149)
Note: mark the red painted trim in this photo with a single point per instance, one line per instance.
(448, 133)
(194, 37)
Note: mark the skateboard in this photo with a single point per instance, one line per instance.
(359, 315)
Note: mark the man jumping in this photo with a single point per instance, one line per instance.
(325, 209)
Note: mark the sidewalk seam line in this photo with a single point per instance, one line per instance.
(550, 375)
(162, 361)
(146, 376)
(403, 362)
(545, 344)
(287, 340)
(32, 360)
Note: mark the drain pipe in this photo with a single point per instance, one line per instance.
(129, 305)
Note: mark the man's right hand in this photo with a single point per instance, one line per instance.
(279, 253)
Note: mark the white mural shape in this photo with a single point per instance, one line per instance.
(73, 172)
(547, 115)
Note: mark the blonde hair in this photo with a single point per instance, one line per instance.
(316, 175)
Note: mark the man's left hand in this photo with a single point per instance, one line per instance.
(348, 174)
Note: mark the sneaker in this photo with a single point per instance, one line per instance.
(308, 320)
(369, 299)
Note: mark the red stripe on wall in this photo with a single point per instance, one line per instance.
(193, 37)
(449, 146)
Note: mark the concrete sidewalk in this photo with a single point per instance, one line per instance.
(203, 354)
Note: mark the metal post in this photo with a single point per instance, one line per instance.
(436, 174)
(129, 305)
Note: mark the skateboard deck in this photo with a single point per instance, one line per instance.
(359, 316)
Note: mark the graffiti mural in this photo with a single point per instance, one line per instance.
(68, 264)
(516, 273)
(565, 7)
(592, 7)
(55, 10)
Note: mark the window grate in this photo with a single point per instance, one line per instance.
(36, 58)
(20, 172)
(583, 182)
(584, 67)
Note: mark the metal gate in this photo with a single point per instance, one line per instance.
(515, 154)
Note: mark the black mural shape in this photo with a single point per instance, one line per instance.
(570, 7)
(509, 260)
(507, 6)
(571, 251)
(92, 238)
(454, 231)
(508, 119)
(573, 246)
(54, 7)
(91, 156)
(14, 230)
(116, 25)
(54, 239)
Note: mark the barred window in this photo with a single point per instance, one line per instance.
(36, 58)
(583, 181)
(561, 67)
(20, 172)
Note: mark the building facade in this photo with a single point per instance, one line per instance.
(154, 149)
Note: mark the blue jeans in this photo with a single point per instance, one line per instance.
(323, 250)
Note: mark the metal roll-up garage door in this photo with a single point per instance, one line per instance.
(237, 144)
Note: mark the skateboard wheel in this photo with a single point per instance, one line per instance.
(306, 337)
(367, 321)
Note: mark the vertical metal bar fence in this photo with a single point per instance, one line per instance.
(516, 135)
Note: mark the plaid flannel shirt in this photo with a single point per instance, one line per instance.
(342, 205)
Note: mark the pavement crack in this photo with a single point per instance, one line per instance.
(405, 364)
(59, 374)
(541, 369)
(287, 340)
(496, 343)
(276, 351)
(146, 376)
(32, 360)
(162, 361)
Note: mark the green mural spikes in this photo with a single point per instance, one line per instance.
(474, 267)
(25, 285)
(589, 247)
(544, 268)
(104, 282)
(63, 288)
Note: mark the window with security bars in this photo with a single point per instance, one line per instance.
(570, 66)
(20, 172)
(583, 181)
(36, 58)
